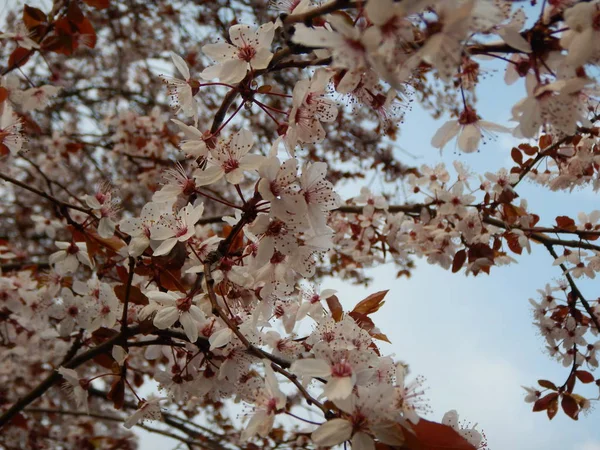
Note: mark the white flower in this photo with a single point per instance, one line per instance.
(340, 375)
(67, 259)
(173, 306)
(250, 51)
(139, 229)
(11, 139)
(309, 109)
(443, 49)
(312, 302)
(473, 436)
(72, 382)
(332, 432)
(175, 228)
(104, 204)
(177, 183)
(147, 410)
(230, 159)
(318, 195)
(195, 143)
(268, 401)
(533, 394)
(182, 91)
(348, 46)
(583, 37)
(119, 354)
(22, 37)
(38, 97)
(510, 32)
(470, 130)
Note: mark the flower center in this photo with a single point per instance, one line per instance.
(246, 53)
(72, 249)
(277, 258)
(341, 369)
(184, 304)
(230, 165)
(468, 116)
(181, 231)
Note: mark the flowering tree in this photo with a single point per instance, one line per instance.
(181, 229)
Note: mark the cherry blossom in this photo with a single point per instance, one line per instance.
(70, 255)
(171, 307)
(140, 228)
(73, 385)
(182, 91)
(173, 228)
(470, 130)
(250, 51)
(11, 139)
(22, 37)
(230, 159)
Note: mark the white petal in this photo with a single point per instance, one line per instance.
(181, 66)
(165, 247)
(311, 367)
(166, 317)
(189, 326)
(332, 432)
(445, 134)
(220, 338)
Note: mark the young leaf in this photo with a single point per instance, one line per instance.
(570, 406)
(335, 307)
(371, 304)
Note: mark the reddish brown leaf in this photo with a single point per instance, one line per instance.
(18, 57)
(512, 213)
(435, 436)
(517, 156)
(33, 17)
(60, 43)
(513, 243)
(335, 307)
(381, 337)
(528, 149)
(103, 334)
(264, 89)
(552, 408)
(481, 250)
(117, 393)
(135, 295)
(362, 320)
(547, 384)
(104, 360)
(543, 403)
(19, 421)
(138, 379)
(113, 244)
(123, 274)
(3, 94)
(169, 279)
(74, 13)
(566, 223)
(371, 304)
(86, 29)
(584, 376)
(98, 4)
(459, 260)
(545, 141)
(570, 406)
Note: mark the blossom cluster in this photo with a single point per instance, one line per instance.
(190, 247)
